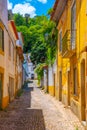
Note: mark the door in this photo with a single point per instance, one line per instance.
(83, 99)
(68, 88)
(60, 86)
(11, 89)
(54, 84)
(1, 83)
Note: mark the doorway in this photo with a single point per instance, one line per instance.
(83, 99)
(1, 85)
(54, 84)
(68, 76)
(60, 86)
(11, 89)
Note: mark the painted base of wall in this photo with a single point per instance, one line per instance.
(5, 102)
(64, 99)
(75, 108)
(51, 90)
(56, 94)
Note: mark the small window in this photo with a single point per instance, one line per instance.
(60, 41)
(12, 52)
(9, 48)
(1, 39)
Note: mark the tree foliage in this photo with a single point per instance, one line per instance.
(42, 49)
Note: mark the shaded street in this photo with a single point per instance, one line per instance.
(35, 110)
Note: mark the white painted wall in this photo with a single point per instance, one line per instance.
(30, 69)
(50, 76)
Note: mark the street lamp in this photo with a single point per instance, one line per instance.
(46, 36)
(27, 16)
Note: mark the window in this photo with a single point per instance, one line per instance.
(12, 52)
(60, 41)
(9, 48)
(73, 25)
(75, 81)
(1, 39)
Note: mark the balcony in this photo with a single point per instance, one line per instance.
(19, 47)
(69, 44)
(19, 44)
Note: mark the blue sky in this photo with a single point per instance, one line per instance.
(33, 7)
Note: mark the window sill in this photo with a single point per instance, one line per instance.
(76, 97)
(1, 52)
(60, 53)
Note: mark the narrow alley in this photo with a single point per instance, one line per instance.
(35, 110)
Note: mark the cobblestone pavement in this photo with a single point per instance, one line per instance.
(35, 110)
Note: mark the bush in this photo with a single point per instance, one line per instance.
(19, 93)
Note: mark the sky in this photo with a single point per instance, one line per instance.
(32, 7)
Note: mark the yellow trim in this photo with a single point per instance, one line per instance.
(5, 101)
(1, 70)
(1, 26)
(64, 92)
(1, 52)
(51, 90)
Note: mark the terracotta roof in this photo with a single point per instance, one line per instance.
(14, 28)
(58, 9)
(54, 8)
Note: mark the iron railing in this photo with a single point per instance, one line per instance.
(68, 42)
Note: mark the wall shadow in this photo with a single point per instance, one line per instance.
(33, 120)
(27, 90)
(21, 116)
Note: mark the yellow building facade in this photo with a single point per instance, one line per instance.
(71, 16)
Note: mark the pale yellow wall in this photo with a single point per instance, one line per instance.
(4, 12)
(7, 64)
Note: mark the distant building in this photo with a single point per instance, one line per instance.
(29, 66)
(25, 68)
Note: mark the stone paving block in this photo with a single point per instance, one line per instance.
(35, 110)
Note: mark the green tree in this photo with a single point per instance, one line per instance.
(35, 37)
(19, 19)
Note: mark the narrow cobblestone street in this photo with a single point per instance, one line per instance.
(35, 110)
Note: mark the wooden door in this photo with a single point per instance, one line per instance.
(1, 85)
(83, 99)
(68, 88)
(60, 86)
